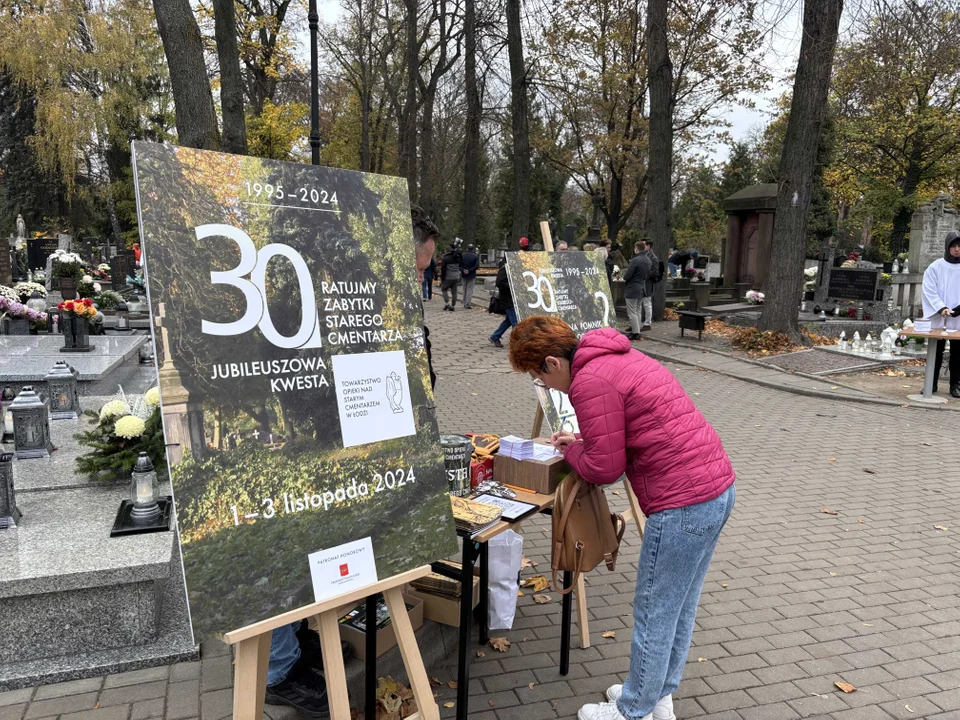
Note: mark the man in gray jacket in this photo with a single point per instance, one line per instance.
(637, 287)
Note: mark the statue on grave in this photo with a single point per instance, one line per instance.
(21, 229)
(593, 232)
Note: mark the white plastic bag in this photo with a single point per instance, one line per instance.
(505, 552)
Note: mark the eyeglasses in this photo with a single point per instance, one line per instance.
(539, 383)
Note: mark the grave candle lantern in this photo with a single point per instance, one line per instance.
(6, 417)
(143, 492)
(36, 302)
(123, 319)
(9, 512)
(62, 390)
(31, 426)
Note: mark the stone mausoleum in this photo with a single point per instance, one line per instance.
(750, 215)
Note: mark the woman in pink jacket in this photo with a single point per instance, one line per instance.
(636, 419)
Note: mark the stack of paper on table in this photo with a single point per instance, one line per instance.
(522, 449)
(437, 584)
(473, 517)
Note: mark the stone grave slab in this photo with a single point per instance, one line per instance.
(28, 358)
(817, 362)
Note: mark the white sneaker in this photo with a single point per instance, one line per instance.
(663, 710)
(603, 711)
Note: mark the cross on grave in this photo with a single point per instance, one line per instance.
(164, 339)
(256, 434)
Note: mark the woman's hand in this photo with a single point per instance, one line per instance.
(947, 312)
(560, 440)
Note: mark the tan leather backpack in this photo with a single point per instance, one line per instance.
(585, 532)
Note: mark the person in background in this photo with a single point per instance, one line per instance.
(471, 263)
(524, 244)
(635, 419)
(563, 247)
(450, 274)
(616, 259)
(941, 305)
(428, 276)
(671, 267)
(589, 247)
(506, 303)
(293, 676)
(679, 259)
(636, 277)
(655, 276)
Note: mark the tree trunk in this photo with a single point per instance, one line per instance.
(660, 170)
(471, 153)
(821, 19)
(365, 108)
(231, 81)
(520, 122)
(408, 123)
(196, 118)
(911, 181)
(428, 200)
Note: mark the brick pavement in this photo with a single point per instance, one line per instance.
(796, 599)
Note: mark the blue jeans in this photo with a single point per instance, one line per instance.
(677, 547)
(427, 288)
(284, 653)
(508, 322)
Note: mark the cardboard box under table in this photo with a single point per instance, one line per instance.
(352, 624)
(444, 609)
(541, 477)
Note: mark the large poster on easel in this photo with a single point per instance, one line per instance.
(294, 380)
(573, 286)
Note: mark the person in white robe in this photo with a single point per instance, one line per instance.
(941, 306)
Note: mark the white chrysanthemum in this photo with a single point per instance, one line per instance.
(152, 397)
(114, 408)
(96, 287)
(129, 427)
(87, 279)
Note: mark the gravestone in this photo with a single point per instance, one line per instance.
(39, 249)
(6, 266)
(928, 230)
(853, 284)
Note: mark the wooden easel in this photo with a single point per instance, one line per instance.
(634, 511)
(253, 651)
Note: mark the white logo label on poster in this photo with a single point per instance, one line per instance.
(343, 568)
(373, 396)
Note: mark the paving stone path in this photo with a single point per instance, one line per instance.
(796, 598)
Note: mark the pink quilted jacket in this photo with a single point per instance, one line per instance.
(634, 417)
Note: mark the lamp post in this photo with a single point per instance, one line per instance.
(31, 426)
(314, 19)
(9, 512)
(62, 391)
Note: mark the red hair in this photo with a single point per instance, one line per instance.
(535, 339)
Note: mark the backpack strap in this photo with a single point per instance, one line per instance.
(576, 573)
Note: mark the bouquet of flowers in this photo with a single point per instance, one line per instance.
(754, 297)
(690, 272)
(67, 264)
(40, 276)
(102, 272)
(77, 308)
(87, 287)
(108, 300)
(617, 274)
(9, 293)
(25, 289)
(125, 427)
(18, 310)
(137, 281)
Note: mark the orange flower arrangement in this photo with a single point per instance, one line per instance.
(77, 308)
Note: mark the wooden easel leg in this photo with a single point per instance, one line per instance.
(250, 677)
(583, 621)
(333, 669)
(410, 651)
(635, 508)
(537, 423)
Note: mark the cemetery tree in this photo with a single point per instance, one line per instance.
(600, 84)
(183, 46)
(472, 129)
(231, 81)
(520, 124)
(808, 108)
(898, 108)
(739, 171)
(660, 72)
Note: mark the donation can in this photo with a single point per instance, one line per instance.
(457, 451)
